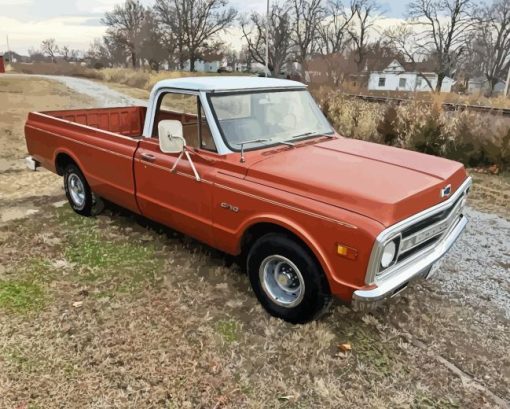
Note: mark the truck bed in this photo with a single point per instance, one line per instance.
(102, 142)
(126, 121)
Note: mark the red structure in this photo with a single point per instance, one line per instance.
(2, 67)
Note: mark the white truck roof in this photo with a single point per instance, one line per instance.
(227, 83)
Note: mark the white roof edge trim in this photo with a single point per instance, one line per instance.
(226, 84)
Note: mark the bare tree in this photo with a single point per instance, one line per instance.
(124, 26)
(365, 13)
(36, 55)
(106, 52)
(403, 38)
(152, 47)
(195, 23)
(245, 58)
(308, 15)
(334, 30)
(492, 40)
(174, 27)
(333, 39)
(50, 48)
(442, 29)
(254, 32)
(69, 54)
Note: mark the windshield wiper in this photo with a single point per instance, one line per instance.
(302, 135)
(260, 141)
(247, 143)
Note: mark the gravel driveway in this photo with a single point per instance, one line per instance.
(476, 270)
(100, 93)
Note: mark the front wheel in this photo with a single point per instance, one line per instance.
(287, 280)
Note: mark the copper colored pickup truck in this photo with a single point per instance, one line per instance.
(251, 167)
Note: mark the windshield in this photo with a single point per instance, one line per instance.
(268, 118)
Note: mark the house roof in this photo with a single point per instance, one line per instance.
(230, 83)
(380, 64)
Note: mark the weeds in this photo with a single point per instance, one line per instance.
(475, 139)
(229, 330)
(19, 296)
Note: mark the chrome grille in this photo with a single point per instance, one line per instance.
(430, 230)
(422, 233)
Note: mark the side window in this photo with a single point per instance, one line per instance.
(382, 81)
(187, 109)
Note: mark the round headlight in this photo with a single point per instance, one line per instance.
(388, 254)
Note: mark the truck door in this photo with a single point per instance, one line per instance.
(177, 199)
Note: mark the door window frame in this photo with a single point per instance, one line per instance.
(221, 148)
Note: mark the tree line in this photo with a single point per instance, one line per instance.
(451, 36)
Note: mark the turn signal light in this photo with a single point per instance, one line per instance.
(346, 251)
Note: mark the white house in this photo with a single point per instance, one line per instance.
(395, 77)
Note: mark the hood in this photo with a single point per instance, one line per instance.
(383, 183)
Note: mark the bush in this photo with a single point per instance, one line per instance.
(473, 138)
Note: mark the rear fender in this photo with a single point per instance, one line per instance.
(72, 156)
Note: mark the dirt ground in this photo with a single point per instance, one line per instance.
(115, 311)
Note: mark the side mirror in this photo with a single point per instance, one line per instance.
(170, 136)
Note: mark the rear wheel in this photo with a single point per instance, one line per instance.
(78, 192)
(287, 280)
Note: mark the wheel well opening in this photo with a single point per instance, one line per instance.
(62, 161)
(258, 230)
(253, 233)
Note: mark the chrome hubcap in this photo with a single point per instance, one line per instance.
(76, 190)
(282, 281)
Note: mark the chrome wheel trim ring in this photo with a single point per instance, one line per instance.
(282, 281)
(76, 190)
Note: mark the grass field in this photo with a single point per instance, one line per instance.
(115, 311)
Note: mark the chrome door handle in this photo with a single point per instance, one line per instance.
(147, 157)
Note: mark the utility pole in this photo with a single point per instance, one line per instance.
(507, 82)
(267, 39)
(9, 59)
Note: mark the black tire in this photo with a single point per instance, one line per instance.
(85, 207)
(316, 299)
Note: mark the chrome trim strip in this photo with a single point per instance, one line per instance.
(410, 269)
(345, 224)
(251, 195)
(446, 222)
(375, 256)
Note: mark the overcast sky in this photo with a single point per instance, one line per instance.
(76, 22)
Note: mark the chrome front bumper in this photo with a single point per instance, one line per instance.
(418, 266)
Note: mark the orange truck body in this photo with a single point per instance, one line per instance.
(326, 191)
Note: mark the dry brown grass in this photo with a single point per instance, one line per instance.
(445, 97)
(143, 79)
(476, 139)
(174, 327)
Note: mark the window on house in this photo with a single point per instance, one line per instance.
(382, 81)
(402, 83)
(419, 82)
